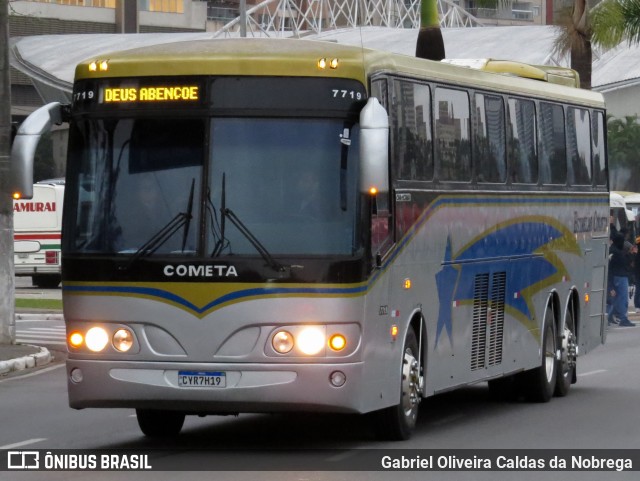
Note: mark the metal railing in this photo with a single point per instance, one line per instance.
(272, 18)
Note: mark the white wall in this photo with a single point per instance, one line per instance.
(623, 101)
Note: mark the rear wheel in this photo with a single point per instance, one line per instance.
(540, 383)
(156, 423)
(396, 423)
(567, 362)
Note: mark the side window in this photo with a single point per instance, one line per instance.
(489, 139)
(599, 153)
(379, 91)
(452, 133)
(522, 141)
(553, 160)
(381, 218)
(579, 146)
(411, 124)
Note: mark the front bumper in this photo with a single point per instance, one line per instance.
(249, 387)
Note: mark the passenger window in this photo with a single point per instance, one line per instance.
(599, 154)
(452, 133)
(411, 123)
(489, 140)
(579, 146)
(522, 142)
(553, 160)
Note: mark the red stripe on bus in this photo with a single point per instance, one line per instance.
(36, 236)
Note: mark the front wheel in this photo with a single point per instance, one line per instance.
(396, 423)
(156, 423)
(540, 383)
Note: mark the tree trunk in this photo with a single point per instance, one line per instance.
(430, 44)
(581, 55)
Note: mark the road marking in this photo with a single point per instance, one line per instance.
(592, 372)
(23, 443)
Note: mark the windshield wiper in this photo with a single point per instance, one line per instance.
(182, 219)
(187, 219)
(275, 265)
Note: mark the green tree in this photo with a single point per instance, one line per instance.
(615, 21)
(623, 148)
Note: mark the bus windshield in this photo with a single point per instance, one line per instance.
(290, 182)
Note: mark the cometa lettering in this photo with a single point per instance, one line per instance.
(34, 207)
(200, 271)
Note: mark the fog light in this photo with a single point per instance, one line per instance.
(123, 340)
(311, 340)
(96, 339)
(282, 342)
(76, 339)
(338, 378)
(76, 375)
(337, 342)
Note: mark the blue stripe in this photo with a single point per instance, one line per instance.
(232, 296)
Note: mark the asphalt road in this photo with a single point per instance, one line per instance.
(25, 289)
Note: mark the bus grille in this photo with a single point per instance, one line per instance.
(488, 320)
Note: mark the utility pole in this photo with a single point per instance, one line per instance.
(7, 285)
(243, 18)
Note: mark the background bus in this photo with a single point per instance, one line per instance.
(37, 233)
(288, 225)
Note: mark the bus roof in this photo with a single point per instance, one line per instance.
(296, 57)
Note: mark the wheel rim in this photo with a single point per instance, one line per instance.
(549, 354)
(410, 384)
(569, 348)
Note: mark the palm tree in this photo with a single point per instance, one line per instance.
(430, 44)
(575, 39)
(615, 21)
(606, 25)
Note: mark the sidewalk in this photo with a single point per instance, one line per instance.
(18, 357)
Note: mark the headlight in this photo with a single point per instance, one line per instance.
(96, 339)
(311, 340)
(123, 340)
(282, 342)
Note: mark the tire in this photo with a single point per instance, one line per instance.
(540, 383)
(396, 423)
(567, 362)
(156, 423)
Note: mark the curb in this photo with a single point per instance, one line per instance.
(41, 358)
(45, 316)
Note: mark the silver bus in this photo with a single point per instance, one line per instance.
(292, 225)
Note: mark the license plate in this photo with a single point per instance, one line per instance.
(202, 379)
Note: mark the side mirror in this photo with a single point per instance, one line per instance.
(24, 147)
(374, 147)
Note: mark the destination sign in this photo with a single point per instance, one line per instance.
(224, 95)
(138, 93)
(151, 94)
